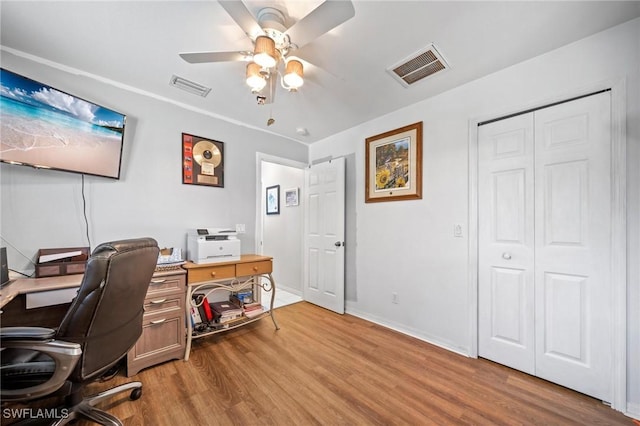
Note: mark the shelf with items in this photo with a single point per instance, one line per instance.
(214, 317)
(252, 273)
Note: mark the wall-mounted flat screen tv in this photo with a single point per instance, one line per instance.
(46, 128)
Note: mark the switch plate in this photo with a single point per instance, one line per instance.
(457, 230)
(240, 228)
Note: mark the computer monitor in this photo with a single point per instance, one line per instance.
(4, 273)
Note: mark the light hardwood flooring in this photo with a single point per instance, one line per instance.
(321, 368)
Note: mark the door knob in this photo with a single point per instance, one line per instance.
(338, 244)
(506, 256)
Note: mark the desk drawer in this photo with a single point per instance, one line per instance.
(253, 268)
(212, 273)
(160, 333)
(165, 284)
(158, 304)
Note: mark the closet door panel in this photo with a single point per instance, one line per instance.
(572, 250)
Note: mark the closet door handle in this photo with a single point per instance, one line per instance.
(506, 256)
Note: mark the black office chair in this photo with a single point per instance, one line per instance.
(102, 324)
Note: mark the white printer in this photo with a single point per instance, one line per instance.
(211, 245)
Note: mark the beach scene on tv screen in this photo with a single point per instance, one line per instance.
(42, 126)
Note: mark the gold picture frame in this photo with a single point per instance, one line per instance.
(393, 165)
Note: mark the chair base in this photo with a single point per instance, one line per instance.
(86, 408)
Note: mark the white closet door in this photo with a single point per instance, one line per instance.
(544, 199)
(506, 283)
(573, 244)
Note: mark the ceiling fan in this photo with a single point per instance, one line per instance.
(271, 59)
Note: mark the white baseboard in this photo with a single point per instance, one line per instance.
(633, 410)
(406, 330)
(288, 289)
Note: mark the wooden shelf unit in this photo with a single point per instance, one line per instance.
(231, 276)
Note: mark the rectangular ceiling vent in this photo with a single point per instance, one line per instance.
(189, 86)
(418, 66)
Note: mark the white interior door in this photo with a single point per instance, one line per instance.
(545, 244)
(506, 257)
(323, 282)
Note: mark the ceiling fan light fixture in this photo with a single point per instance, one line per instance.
(264, 53)
(255, 79)
(293, 75)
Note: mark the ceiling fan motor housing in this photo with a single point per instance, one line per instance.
(271, 20)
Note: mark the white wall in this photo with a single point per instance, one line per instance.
(282, 233)
(408, 247)
(43, 208)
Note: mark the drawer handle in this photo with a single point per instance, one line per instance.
(155, 302)
(255, 268)
(160, 321)
(213, 274)
(157, 281)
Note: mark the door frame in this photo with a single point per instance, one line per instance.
(259, 224)
(618, 227)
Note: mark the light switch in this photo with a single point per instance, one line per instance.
(457, 230)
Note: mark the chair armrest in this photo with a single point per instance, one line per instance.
(26, 333)
(65, 355)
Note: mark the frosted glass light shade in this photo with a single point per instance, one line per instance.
(264, 53)
(255, 80)
(293, 74)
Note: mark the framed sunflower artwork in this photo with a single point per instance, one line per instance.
(393, 165)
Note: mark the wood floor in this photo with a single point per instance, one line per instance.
(328, 369)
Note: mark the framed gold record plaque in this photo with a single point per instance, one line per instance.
(202, 161)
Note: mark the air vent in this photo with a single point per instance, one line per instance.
(417, 66)
(189, 86)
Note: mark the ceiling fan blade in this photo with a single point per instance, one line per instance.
(245, 20)
(322, 19)
(202, 57)
(319, 76)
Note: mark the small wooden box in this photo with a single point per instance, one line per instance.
(66, 265)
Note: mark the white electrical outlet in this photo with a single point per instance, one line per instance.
(240, 228)
(457, 230)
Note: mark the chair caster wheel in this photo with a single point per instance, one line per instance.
(135, 394)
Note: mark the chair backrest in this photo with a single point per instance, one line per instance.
(105, 318)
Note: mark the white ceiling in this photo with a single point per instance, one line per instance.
(137, 44)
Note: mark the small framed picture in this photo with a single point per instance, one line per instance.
(291, 197)
(273, 199)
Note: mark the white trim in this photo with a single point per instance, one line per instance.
(400, 328)
(618, 228)
(132, 89)
(633, 410)
(473, 238)
(619, 243)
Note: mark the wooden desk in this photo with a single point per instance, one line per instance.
(34, 285)
(163, 331)
(229, 276)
